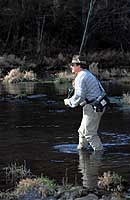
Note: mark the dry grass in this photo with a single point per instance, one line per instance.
(25, 182)
(15, 76)
(104, 64)
(126, 98)
(15, 172)
(93, 67)
(108, 55)
(110, 181)
(64, 76)
(29, 75)
(43, 186)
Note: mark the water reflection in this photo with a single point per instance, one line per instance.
(112, 88)
(61, 89)
(89, 165)
(19, 88)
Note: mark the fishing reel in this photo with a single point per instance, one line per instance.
(70, 92)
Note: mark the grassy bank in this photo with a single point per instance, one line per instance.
(30, 187)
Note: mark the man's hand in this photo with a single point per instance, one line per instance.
(66, 102)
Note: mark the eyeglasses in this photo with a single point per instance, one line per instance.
(73, 64)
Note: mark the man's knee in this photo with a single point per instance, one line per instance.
(95, 142)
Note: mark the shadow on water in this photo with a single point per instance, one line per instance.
(43, 132)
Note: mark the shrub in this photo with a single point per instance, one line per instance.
(15, 76)
(110, 181)
(126, 98)
(15, 172)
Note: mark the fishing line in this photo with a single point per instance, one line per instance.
(92, 2)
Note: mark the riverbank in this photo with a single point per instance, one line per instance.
(26, 186)
(105, 64)
(35, 189)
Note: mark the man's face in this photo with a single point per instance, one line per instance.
(75, 68)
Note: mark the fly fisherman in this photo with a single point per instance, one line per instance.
(87, 90)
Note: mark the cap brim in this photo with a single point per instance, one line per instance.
(78, 62)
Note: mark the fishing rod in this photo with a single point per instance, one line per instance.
(91, 6)
(92, 2)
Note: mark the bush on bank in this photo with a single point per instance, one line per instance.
(29, 187)
(16, 76)
(106, 59)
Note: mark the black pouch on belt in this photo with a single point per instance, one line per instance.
(101, 102)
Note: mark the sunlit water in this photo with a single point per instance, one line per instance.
(40, 130)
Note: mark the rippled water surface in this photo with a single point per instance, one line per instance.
(40, 130)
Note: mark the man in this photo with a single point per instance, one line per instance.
(87, 89)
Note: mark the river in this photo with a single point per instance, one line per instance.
(41, 131)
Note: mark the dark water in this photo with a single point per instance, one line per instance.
(43, 132)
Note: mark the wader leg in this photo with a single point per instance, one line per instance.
(90, 122)
(83, 144)
(95, 142)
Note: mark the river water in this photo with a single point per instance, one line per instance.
(40, 130)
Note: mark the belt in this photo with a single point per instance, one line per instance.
(86, 101)
(90, 101)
